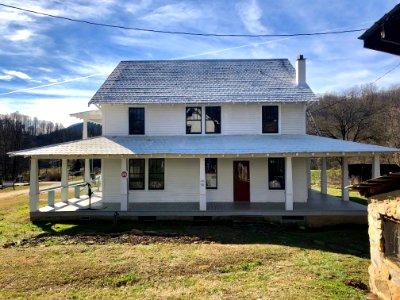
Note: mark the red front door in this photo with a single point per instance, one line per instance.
(241, 181)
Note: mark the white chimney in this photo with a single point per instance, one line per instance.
(301, 70)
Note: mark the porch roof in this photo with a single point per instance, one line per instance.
(213, 145)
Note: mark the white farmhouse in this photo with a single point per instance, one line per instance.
(202, 138)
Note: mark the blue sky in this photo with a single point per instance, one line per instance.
(50, 68)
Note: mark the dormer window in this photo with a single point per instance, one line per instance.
(136, 120)
(270, 119)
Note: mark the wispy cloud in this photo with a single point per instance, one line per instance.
(172, 13)
(251, 13)
(19, 35)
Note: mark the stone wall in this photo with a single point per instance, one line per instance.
(384, 272)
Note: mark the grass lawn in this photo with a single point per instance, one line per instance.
(222, 260)
(333, 188)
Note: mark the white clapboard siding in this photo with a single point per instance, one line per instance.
(111, 185)
(115, 120)
(241, 119)
(167, 119)
(293, 118)
(300, 188)
(181, 183)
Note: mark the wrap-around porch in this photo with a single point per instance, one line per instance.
(318, 204)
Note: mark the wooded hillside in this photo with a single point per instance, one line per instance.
(361, 114)
(19, 131)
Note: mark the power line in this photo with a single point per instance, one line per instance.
(390, 71)
(180, 32)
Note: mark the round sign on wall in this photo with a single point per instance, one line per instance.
(124, 174)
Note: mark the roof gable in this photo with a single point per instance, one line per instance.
(202, 81)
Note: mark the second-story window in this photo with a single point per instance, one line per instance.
(213, 119)
(270, 119)
(193, 120)
(136, 120)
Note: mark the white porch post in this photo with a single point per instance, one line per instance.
(376, 167)
(203, 196)
(87, 170)
(84, 130)
(345, 179)
(308, 172)
(124, 185)
(289, 184)
(34, 186)
(64, 180)
(324, 178)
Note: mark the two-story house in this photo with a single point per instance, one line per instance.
(204, 138)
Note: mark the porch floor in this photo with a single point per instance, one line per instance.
(317, 205)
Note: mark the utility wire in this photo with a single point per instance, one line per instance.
(180, 32)
(391, 70)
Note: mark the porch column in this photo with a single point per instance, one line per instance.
(87, 170)
(308, 172)
(124, 185)
(84, 130)
(324, 178)
(345, 179)
(376, 167)
(203, 196)
(288, 184)
(64, 180)
(34, 186)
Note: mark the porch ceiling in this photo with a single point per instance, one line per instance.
(199, 146)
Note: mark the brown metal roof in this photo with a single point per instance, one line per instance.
(379, 185)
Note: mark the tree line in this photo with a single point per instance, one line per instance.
(363, 114)
(18, 131)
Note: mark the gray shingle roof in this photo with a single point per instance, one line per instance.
(202, 145)
(207, 81)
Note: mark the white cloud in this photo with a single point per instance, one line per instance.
(133, 8)
(17, 74)
(5, 77)
(172, 13)
(250, 13)
(19, 35)
(40, 108)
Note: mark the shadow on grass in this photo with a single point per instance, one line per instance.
(349, 239)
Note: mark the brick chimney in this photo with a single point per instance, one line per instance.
(301, 70)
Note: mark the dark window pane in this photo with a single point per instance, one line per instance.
(136, 120)
(211, 173)
(213, 119)
(136, 174)
(270, 119)
(276, 173)
(156, 173)
(193, 120)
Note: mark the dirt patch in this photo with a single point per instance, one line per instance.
(356, 284)
(135, 237)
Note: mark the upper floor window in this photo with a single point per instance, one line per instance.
(270, 119)
(276, 173)
(136, 120)
(193, 120)
(211, 173)
(156, 173)
(213, 119)
(136, 174)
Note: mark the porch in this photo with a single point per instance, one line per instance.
(318, 204)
